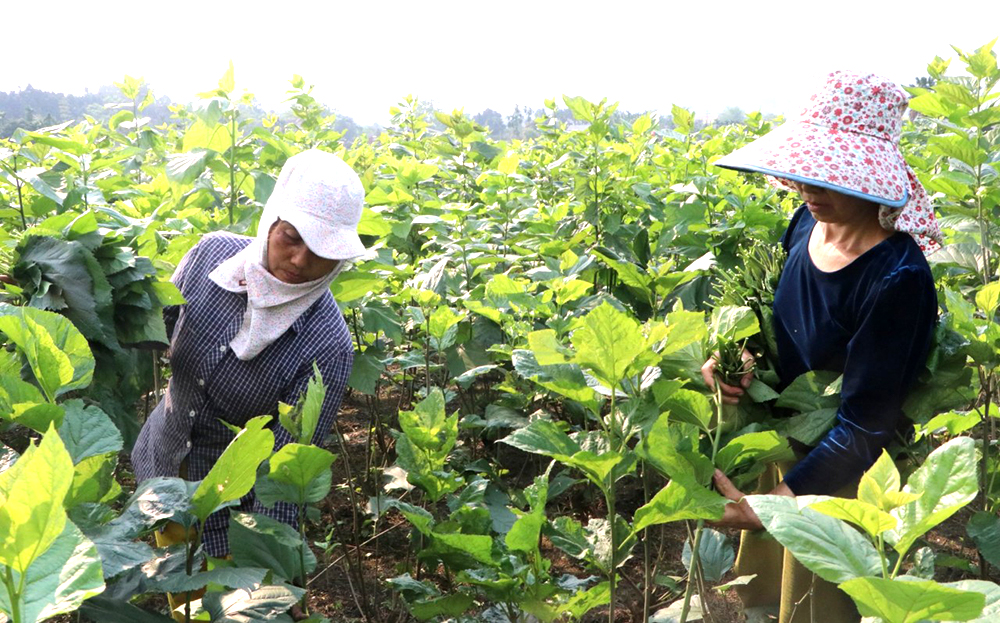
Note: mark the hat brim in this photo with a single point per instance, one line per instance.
(851, 163)
(327, 241)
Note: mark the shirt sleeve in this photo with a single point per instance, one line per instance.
(883, 360)
(335, 370)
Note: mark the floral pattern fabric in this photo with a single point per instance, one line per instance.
(846, 140)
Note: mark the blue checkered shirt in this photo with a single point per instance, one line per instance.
(210, 383)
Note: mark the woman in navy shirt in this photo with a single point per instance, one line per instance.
(856, 296)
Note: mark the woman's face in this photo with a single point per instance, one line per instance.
(829, 206)
(290, 260)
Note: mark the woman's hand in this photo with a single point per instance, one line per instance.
(739, 515)
(730, 393)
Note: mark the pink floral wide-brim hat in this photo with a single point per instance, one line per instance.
(847, 140)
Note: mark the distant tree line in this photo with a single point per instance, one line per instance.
(32, 108)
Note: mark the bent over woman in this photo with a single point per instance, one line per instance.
(259, 313)
(856, 296)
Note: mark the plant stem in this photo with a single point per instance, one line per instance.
(647, 571)
(692, 570)
(232, 170)
(20, 199)
(14, 594)
(701, 522)
(609, 496)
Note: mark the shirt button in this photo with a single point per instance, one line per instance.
(223, 348)
(201, 382)
(191, 413)
(189, 443)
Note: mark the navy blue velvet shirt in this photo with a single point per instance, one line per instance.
(872, 320)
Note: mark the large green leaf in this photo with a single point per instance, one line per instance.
(298, 466)
(106, 610)
(524, 534)
(715, 555)
(93, 480)
(251, 606)
(60, 579)
(607, 343)
(233, 475)
(542, 437)
(866, 516)
(672, 448)
(911, 602)
(984, 530)
(991, 612)
(733, 324)
(87, 431)
(31, 502)
(760, 447)
(689, 406)
(678, 501)
(259, 541)
(564, 379)
(811, 391)
(58, 354)
(828, 547)
(945, 482)
(64, 277)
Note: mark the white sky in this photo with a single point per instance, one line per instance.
(365, 56)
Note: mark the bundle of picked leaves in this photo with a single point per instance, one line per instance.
(70, 265)
(752, 283)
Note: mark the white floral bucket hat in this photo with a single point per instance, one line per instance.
(847, 140)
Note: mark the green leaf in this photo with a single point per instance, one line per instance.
(866, 516)
(184, 168)
(542, 437)
(58, 581)
(259, 541)
(988, 298)
(911, 602)
(672, 448)
(689, 406)
(31, 501)
(87, 431)
(733, 324)
(810, 427)
(606, 344)
(760, 447)
(298, 465)
(251, 606)
(447, 606)
(880, 485)
(58, 354)
(351, 286)
(991, 612)
(566, 380)
(826, 546)
(106, 610)
(234, 473)
(312, 406)
(524, 534)
(546, 347)
(93, 480)
(811, 391)
(684, 328)
(945, 482)
(984, 530)
(63, 276)
(715, 555)
(677, 502)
